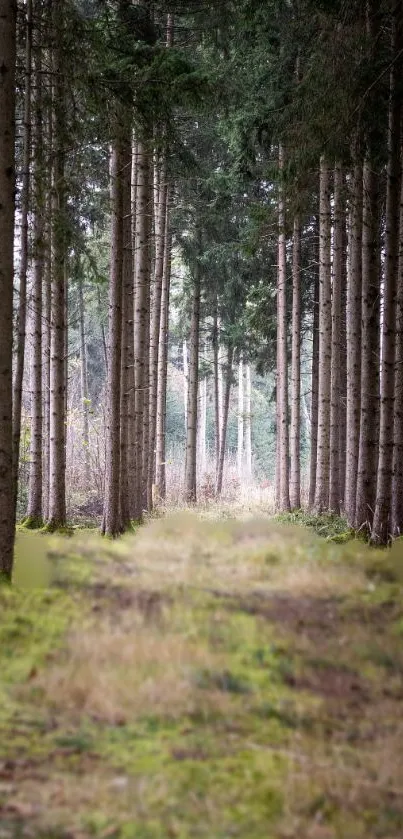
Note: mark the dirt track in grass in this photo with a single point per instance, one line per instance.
(202, 679)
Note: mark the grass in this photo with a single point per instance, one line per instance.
(202, 678)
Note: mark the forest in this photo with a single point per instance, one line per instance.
(201, 419)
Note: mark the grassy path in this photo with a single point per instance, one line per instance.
(202, 679)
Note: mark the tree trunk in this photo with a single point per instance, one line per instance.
(325, 342)
(343, 371)
(84, 387)
(141, 312)
(57, 423)
(248, 424)
(185, 379)
(22, 291)
(111, 524)
(370, 316)
(397, 487)
(203, 425)
(7, 206)
(163, 365)
(35, 508)
(155, 327)
(295, 432)
(127, 359)
(314, 394)
(354, 287)
(334, 490)
(216, 388)
(223, 434)
(191, 429)
(283, 500)
(240, 419)
(381, 529)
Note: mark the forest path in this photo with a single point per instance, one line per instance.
(202, 679)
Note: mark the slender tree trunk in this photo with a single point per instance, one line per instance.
(325, 342)
(84, 386)
(397, 487)
(370, 317)
(223, 433)
(185, 379)
(141, 312)
(203, 425)
(240, 418)
(46, 333)
(295, 432)
(283, 469)
(354, 287)
(7, 206)
(248, 424)
(314, 395)
(22, 291)
(163, 366)
(343, 371)
(111, 524)
(216, 388)
(127, 359)
(57, 423)
(334, 491)
(155, 327)
(191, 430)
(35, 508)
(381, 529)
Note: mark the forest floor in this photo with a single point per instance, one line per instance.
(202, 678)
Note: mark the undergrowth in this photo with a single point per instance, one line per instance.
(201, 679)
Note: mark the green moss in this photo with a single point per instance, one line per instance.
(328, 525)
(32, 523)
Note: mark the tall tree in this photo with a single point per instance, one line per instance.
(354, 286)
(325, 341)
(111, 524)
(295, 430)
(8, 10)
(335, 404)
(35, 508)
(193, 386)
(381, 527)
(24, 244)
(57, 406)
(283, 500)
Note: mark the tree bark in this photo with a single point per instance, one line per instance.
(22, 291)
(216, 387)
(381, 528)
(57, 404)
(314, 394)
(84, 386)
(335, 399)
(397, 486)
(7, 207)
(248, 424)
(343, 371)
(370, 315)
(141, 312)
(163, 365)
(111, 524)
(191, 425)
(295, 431)
(354, 290)
(223, 435)
(240, 419)
(155, 326)
(127, 359)
(35, 508)
(325, 342)
(283, 500)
